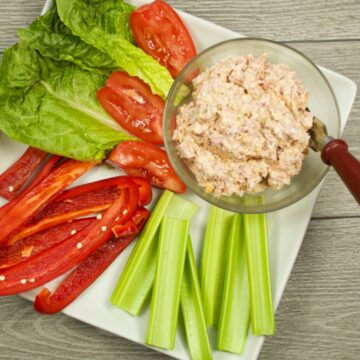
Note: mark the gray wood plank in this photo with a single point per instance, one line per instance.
(14, 15)
(283, 20)
(318, 317)
(319, 314)
(280, 19)
(28, 335)
(343, 57)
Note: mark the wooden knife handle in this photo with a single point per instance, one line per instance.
(336, 154)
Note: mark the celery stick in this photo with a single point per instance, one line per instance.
(137, 277)
(181, 208)
(165, 301)
(261, 307)
(192, 309)
(213, 262)
(235, 309)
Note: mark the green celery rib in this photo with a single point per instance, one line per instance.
(181, 208)
(235, 309)
(213, 263)
(262, 311)
(137, 277)
(192, 309)
(165, 301)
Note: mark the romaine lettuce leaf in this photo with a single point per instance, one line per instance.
(91, 20)
(52, 38)
(52, 106)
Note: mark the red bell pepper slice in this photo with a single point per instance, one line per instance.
(93, 190)
(133, 225)
(82, 277)
(65, 255)
(82, 200)
(45, 171)
(32, 245)
(145, 190)
(86, 273)
(15, 177)
(124, 230)
(40, 195)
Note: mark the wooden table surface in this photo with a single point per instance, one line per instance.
(319, 314)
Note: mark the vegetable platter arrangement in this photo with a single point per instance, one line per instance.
(85, 88)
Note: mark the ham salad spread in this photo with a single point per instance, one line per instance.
(246, 127)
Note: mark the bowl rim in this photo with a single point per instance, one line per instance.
(247, 209)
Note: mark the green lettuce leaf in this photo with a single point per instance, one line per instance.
(52, 106)
(52, 38)
(91, 21)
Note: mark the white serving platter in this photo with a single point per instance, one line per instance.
(286, 232)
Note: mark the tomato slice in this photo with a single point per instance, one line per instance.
(148, 161)
(160, 32)
(132, 104)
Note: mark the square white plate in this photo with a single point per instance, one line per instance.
(287, 229)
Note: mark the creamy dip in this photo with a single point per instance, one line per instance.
(246, 126)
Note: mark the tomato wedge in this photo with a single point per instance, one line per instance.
(147, 161)
(160, 32)
(132, 104)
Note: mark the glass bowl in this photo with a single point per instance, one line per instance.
(322, 103)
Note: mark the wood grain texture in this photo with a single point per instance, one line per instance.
(343, 57)
(14, 15)
(319, 315)
(27, 335)
(283, 20)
